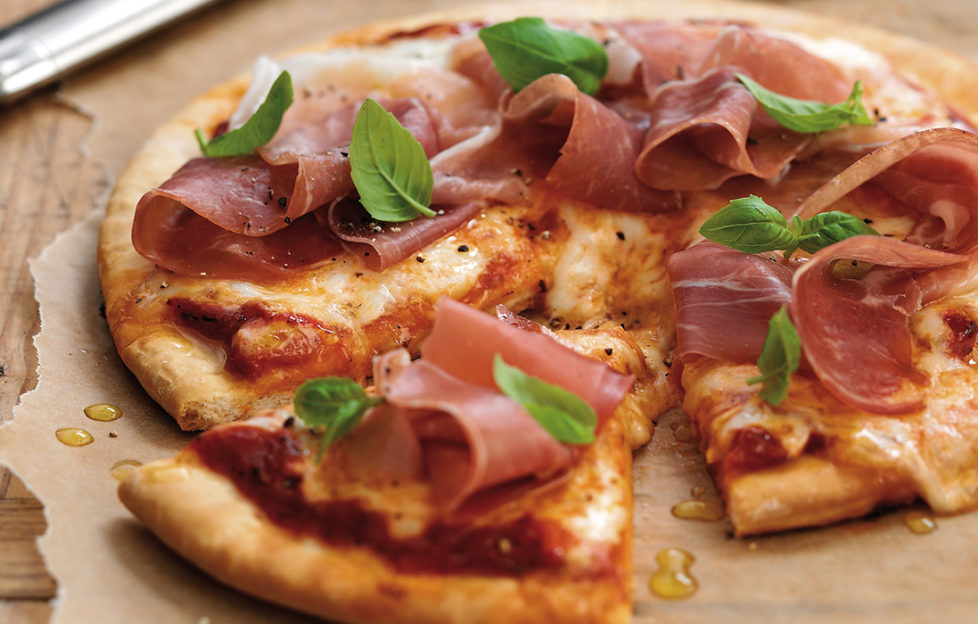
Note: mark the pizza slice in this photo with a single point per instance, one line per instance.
(447, 503)
(868, 394)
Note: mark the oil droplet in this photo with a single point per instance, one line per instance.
(122, 468)
(697, 490)
(103, 412)
(672, 580)
(73, 436)
(698, 510)
(920, 521)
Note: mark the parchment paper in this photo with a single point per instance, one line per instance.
(109, 569)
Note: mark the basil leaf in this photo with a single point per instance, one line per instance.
(806, 115)
(565, 416)
(260, 127)
(779, 358)
(336, 403)
(526, 48)
(749, 224)
(389, 167)
(828, 228)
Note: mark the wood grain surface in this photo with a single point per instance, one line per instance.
(48, 181)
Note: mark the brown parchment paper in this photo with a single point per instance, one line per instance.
(109, 569)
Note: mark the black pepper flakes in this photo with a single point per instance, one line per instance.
(289, 422)
(609, 351)
(620, 235)
(282, 201)
(463, 248)
(420, 258)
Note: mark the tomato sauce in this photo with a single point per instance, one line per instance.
(268, 467)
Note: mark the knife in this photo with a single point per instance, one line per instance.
(47, 45)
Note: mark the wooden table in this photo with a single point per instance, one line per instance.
(48, 181)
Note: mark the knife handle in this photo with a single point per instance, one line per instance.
(47, 45)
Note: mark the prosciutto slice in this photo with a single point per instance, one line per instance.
(708, 128)
(596, 158)
(472, 437)
(779, 65)
(706, 131)
(854, 332)
(226, 217)
(933, 174)
(464, 341)
(717, 289)
(380, 245)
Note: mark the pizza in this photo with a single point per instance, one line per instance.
(360, 209)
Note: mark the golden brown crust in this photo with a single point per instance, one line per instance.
(808, 491)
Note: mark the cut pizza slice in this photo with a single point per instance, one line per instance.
(447, 503)
(882, 407)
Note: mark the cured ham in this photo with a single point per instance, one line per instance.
(708, 128)
(472, 437)
(464, 341)
(226, 217)
(596, 159)
(469, 436)
(379, 245)
(933, 174)
(717, 288)
(854, 332)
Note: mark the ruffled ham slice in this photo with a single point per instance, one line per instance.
(725, 299)
(472, 437)
(708, 130)
(854, 332)
(597, 157)
(668, 51)
(933, 174)
(777, 64)
(226, 217)
(379, 245)
(464, 341)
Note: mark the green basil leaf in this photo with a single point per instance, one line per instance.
(809, 116)
(526, 48)
(749, 224)
(389, 167)
(779, 358)
(829, 228)
(336, 403)
(260, 127)
(565, 416)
